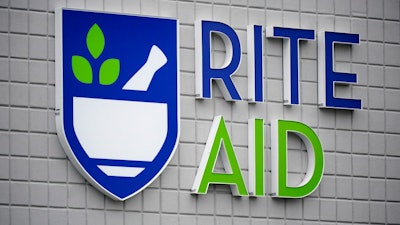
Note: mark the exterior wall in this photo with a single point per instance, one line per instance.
(361, 183)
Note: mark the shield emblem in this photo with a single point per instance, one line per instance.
(117, 103)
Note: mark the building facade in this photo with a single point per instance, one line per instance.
(361, 179)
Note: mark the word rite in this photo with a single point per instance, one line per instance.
(327, 78)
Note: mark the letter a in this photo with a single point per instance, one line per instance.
(205, 175)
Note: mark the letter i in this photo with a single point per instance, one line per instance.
(255, 63)
(256, 157)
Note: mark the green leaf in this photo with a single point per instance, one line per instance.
(82, 69)
(95, 41)
(109, 71)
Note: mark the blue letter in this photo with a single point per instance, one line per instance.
(255, 63)
(291, 38)
(204, 72)
(327, 77)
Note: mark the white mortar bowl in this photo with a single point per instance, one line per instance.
(120, 129)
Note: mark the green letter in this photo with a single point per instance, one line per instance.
(205, 175)
(280, 129)
(256, 157)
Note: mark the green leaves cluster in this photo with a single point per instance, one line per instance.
(109, 69)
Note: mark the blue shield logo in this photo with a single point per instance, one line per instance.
(117, 97)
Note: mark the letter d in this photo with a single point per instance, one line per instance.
(279, 156)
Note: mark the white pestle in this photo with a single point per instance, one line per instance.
(141, 80)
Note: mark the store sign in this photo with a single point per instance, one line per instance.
(117, 97)
(117, 101)
(219, 142)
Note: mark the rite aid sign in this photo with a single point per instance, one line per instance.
(117, 101)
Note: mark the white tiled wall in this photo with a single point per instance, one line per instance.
(361, 183)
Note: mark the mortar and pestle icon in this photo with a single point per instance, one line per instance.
(124, 130)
